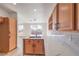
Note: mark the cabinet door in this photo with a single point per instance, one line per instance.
(4, 37)
(39, 47)
(77, 14)
(28, 47)
(12, 34)
(66, 16)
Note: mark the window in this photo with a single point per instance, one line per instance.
(36, 30)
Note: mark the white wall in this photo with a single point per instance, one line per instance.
(13, 15)
(3, 12)
(26, 12)
(27, 29)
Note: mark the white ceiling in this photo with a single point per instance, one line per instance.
(8, 9)
(42, 12)
(26, 13)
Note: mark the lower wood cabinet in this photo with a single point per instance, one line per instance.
(33, 47)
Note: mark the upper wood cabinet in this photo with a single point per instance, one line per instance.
(65, 17)
(52, 20)
(54, 17)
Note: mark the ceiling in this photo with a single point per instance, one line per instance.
(8, 6)
(34, 12)
(30, 12)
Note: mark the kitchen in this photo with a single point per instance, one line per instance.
(54, 23)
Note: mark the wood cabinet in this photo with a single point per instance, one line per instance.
(33, 47)
(8, 35)
(50, 23)
(66, 17)
(28, 49)
(63, 17)
(77, 16)
(13, 33)
(55, 18)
